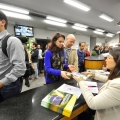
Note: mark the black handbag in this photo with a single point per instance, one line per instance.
(29, 70)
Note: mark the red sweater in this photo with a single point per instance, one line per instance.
(87, 53)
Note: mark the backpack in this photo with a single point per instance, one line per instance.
(29, 70)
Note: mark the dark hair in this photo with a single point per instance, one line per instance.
(23, 39)
(81, 43)
(115, 73)
(97, 51)
(106, 51)
(35, 44)
(3, 17)
(96, 46)
(53, 46)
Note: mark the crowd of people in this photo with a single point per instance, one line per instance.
(101, 50)
(61, 55)
(60, 58)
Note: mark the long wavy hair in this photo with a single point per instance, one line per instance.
(53, 47)
(115, 73)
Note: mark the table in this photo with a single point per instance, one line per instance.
(94, 62)
(26, 106)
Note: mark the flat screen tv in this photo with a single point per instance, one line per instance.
(22, 30)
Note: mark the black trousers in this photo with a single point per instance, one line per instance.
(40, 65)
(87, 115)
(81, 67)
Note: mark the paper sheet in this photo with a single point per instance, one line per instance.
(102, 72)
(70, 89)
(79, 74)
(92, 86)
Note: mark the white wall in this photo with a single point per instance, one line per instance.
(82, 38)
(99, 41)
(114, 40)
(41, 33)
(44, 34)
(10, 29)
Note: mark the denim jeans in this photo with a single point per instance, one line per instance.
(11, 90)
(36, 70)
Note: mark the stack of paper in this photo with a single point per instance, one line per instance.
(70, 89)
(79, 74)
(102, 72)
(92, 86)
(104, 54)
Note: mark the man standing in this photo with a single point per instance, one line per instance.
(34, 57)
(81, 56)
(13, 66)
(71, 57)
(40, 60)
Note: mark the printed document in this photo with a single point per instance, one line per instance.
(92, 86)
(70, 89)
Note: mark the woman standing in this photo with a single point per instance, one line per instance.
(95, 51)
(54, 60)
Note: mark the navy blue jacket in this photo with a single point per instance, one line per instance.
(81, 56)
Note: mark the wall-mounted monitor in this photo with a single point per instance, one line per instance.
(22, 30)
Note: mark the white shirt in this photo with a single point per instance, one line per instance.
(40, 54)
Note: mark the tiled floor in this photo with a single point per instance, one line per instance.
(33, 84)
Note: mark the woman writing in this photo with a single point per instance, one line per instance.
(107, 102)
(54, 60)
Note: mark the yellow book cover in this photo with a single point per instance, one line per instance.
(60, 102)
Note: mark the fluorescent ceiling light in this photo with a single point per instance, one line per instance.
(118, 32)
(105, 17)
(110, 35)
(13, 8)
(56, 19)
(79, 28)
(100, 30)
(16, 15)
(78, 4)
(81, 25)
(97, 32)
(55, 23)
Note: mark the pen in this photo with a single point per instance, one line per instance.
(92, 86)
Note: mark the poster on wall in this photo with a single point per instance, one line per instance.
(29, 44)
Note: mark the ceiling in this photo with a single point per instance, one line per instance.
(60, 9)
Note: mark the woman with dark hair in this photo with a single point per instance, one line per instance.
(107, 102)
(95, 51)
(101, 49)
(106, 49)
(54, 60)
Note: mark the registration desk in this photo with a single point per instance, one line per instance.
(94, 62)
(26, 106)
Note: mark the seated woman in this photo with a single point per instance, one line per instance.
(107, 102)
(54, 60)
